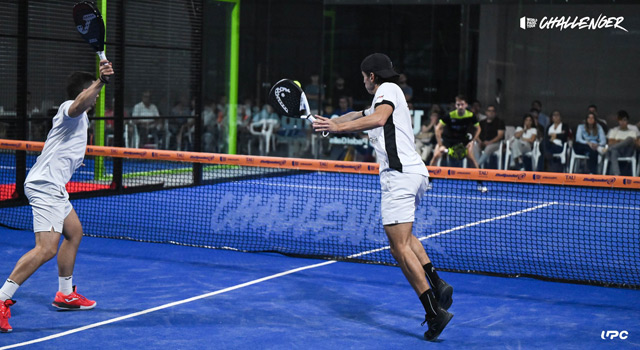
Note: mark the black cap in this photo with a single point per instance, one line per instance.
(380, 64)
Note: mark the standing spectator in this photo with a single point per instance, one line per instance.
(491, 133)
(476, 108)
(341, 89)
(522, 142)
(145, 127)
(590, 140)
(313, 92)
(554, 139)
(406, 89)
(620, 142)
(543, 119)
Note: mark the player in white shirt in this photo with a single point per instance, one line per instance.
(403, 179)
(53, 214)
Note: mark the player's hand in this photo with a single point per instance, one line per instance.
(324, 124)
(106, 70)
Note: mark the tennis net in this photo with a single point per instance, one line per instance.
(566, 227)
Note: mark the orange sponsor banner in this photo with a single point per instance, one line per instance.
(346, 167)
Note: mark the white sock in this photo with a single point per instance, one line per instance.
(8, 290)
(65, 285)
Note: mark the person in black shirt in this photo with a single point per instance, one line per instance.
(491, 133)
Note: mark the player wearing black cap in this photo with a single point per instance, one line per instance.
(403, 179)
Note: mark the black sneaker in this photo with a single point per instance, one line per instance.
(437, 324)
(443, 292)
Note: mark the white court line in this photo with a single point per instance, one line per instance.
(246, 284)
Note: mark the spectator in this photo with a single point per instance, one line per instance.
(343, 106)
(476, 108)
(426, 138)
(406, 89)
(454, 133)
(145, 127)
(554, 139)
(535, 114)
(620, 142)
(491, 133)
(603, 122)
(313, 92)
(341, 89)
(590, 140)
(543, 119)
(522, 141)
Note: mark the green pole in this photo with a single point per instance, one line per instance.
(234, 57)
(98, 132)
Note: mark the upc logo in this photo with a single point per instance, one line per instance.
(528, 22)
(614, 334)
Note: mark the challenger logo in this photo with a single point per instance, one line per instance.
(282, 92)
(87, 23)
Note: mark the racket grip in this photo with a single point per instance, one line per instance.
(103, 57)
(311, 118)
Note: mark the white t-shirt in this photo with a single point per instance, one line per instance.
(140, 110)
(527, 134)
(555, 130)
(617, 134)
(394, 142)
(64, 149)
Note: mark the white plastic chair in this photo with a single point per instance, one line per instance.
(265, 134)
(631, 159)
(534, 154)
(576, 157)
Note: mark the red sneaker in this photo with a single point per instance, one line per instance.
(5, 315)
(73, 301)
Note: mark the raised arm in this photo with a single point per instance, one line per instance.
(87, 98)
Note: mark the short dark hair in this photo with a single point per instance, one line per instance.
(594, 107)
(78, 81)
(622, 114)
(534, 110)
(491, 106)
(537, 102)
(462, 97)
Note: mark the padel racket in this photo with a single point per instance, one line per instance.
(287, 98)
(90, 25)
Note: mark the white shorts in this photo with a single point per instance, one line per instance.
(50, 205)
(401, 194)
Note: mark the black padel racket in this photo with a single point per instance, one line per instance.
(287, 98)
(90, 25)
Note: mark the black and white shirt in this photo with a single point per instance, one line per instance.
(394, 142)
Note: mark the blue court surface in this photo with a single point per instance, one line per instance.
(162, 296)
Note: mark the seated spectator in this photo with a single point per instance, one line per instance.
(343, 106)
(590, 140)
(621, 142)
(426, 138)
(455, 133)
(603, 122)
(491, 133)
(554, 140)
(522, 142)
(145, 127)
